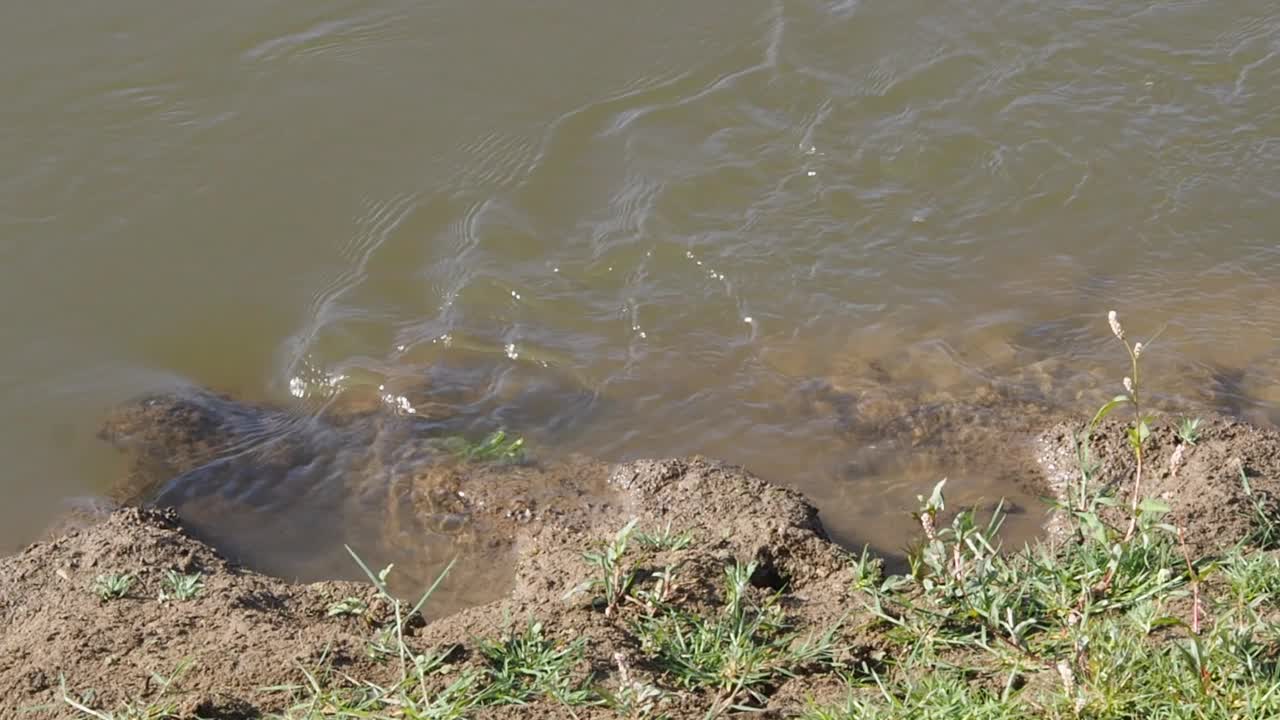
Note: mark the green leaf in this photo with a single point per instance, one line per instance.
(1152, 505)
(431, 590)
(1106, 409)
(1093, 527)
(379, 580)
(936, 500)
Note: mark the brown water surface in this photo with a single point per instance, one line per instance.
(694, 211)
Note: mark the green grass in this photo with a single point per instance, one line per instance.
(347, 606)
(1189, 430)
(528, 666)
(1265, 513)
(1111, 628)
(613, 579)
(112, 586)
(665, 539)
(736, 655)
(495, 448)
(160, 707)
(519, 668)
(933, 697)
(181, 587)
(1092, 626)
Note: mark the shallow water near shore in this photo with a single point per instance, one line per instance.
(632, 230)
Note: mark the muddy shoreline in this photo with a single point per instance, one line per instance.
(247, 633)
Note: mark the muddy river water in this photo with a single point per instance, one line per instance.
(630, 229)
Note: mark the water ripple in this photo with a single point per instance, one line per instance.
(344, 35)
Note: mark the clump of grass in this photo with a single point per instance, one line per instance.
(522, 667)
(972, 624)
(931, 697)
(665, 539)
(1189, 430)
(328, 694)
(112, 586)
(180, 586)
(632, 699)
(161, 707)
(867, 570)
(323, 697)
(735, 655)
(527, 666)
(389, 640)
(614, 579)
(496, 448)
(352, 606)
(1263, 509)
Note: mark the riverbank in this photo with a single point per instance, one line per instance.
(703, 590)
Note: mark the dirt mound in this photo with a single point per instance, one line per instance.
(1215, 487)
(245, 632)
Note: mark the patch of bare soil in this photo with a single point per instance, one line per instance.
(243, 632)
(1203, 483)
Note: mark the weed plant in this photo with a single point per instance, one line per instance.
(665, 539)
(528, 666)
(162, 706)
(1189, 430)
(352, 606)
(736, 655)
(613, 580)
(180, 586)
(112, 586)
(495, 448)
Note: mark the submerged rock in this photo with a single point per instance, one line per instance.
(987, 432)
(285, 489)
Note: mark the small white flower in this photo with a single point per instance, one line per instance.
(1068, 677)
(1137, 349)
(1115, 324)
(1128, 385)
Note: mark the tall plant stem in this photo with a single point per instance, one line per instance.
(1137, 446)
